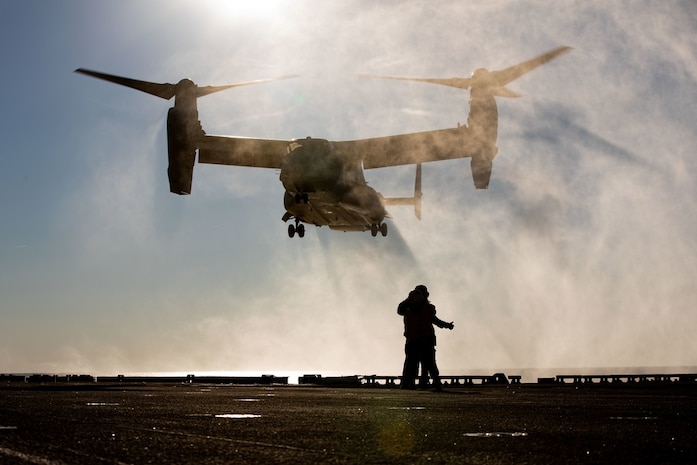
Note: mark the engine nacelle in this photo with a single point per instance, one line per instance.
(483, 126)
(481, 172)
(183, 133)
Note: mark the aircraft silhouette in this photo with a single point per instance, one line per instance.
(324, 180)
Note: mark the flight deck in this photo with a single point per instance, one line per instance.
(131, 421)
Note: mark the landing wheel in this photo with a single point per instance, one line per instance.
(298, 228)
(378, 228)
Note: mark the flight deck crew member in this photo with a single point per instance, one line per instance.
(420, 347)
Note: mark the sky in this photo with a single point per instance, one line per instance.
(580, 254)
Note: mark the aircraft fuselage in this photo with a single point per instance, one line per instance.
(326, 190)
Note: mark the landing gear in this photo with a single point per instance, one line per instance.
(378, 228)
(298, 228)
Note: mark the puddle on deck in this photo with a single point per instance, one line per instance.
(496, 434)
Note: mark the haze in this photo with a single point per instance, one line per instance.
(580, 254)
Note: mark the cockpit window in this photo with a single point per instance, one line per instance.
(292, 145)
(311, 144)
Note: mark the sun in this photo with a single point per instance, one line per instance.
(247, 9)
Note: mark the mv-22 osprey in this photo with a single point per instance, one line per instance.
(324, 180)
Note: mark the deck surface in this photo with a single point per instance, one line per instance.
(211, 424)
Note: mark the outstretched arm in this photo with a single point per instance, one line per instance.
(442, 324)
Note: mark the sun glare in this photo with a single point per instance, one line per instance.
(257, 9)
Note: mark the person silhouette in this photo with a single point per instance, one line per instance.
(419, 316)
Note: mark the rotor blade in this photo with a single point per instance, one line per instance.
(459, 83)
(500, 91)
(512, 73)
(203, 91)
(495, 79)
(165, 91)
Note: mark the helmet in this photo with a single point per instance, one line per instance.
(422, 289)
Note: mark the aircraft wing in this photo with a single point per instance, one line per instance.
(409, 149)
(242, 151)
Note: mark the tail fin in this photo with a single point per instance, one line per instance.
(415, 201)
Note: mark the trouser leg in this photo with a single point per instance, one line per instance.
(411, 363)
(429, 360)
